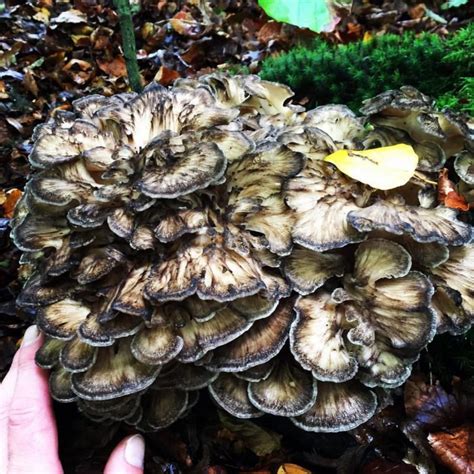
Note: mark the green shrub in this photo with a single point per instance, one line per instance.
(350, 73)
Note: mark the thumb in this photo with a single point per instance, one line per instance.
(32, 435)
(128, 457)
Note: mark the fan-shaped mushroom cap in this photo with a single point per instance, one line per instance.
(230, 393)
(256, 346)
(464, 166)
(207, 267)
(316, 339)
(201, 337)
(255, 184)
(156, 345)
(60, 386)
(338, 407)
(48, 354)
(338, 121)
(130, 299)
(171, 173)
(457, 274)
(388, 299)
(321, 198)
(62, 319)
(163, 407)
(451, 316)
(77, 356)
(288, 391)
(308, 270)
(115, 373)
(38, 232)
(99, 333)
(410, 110)
(423, 225)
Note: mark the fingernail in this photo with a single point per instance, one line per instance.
(30, 336)
(135, 451)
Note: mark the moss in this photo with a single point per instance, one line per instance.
(351, 73)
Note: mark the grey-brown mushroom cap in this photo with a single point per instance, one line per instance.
(163, 407)
(116, 373)
(464, 166)
(207, 267)
(201, 337)
(60, 386)
(321, 198)
(156, 345)
(77, 356)
(338, 407)
(47, 355)
(423, 225)
(196, 168)
(316, 339)
(456, 273)
(62, 319)
(308, 270)
(257, 345)
(387, 298)
(288, 391)
(230, 393)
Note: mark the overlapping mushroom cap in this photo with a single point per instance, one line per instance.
(194, 237)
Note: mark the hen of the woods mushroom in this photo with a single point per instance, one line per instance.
(195, 237)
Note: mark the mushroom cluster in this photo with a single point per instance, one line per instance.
(194, 237)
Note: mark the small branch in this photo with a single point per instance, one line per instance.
(128, 43)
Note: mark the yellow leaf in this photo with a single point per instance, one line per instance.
(382, 168)
(288, 468)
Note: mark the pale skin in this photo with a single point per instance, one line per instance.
(28, 433)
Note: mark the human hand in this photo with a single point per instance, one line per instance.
(28, 434)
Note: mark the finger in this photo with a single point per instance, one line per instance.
(128, 457)
(7, 388)
(32, 435)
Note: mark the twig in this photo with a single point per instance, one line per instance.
(128, 43)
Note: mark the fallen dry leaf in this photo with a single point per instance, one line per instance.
(455, 448)
(116, 67)
(166, 76)
(289, 468)
(8, 201)
(270, 31)
(447, 193)
(184, 24)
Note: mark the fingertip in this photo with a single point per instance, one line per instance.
(128, 456)
(31, 336)
(135, 451)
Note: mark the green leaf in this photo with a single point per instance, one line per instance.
(317, 15)
(453, 4)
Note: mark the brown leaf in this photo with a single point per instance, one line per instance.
(455, 449)
(8, 201)
(166, 76)
(116, 68)
(30, 83)
(78, 70)
(430, 406)
(270, 31)
(447, 193)
(184, 24)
